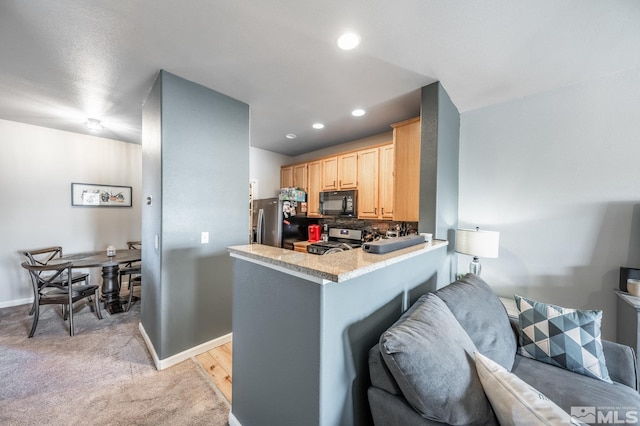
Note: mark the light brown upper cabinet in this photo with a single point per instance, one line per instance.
(329, 173)
(386, 179)
(406, 139)
(314, 181)
(300, 176)
(368, 207)
(286, 177)
(348, 171)
(294, 176)
(375, 182)
(340, 172)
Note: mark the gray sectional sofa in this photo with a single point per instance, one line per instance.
(423, 370)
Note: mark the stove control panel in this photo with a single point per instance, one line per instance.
(345, 234)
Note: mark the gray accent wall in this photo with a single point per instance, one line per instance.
(440, 131)
(196, 168)
(152, 214)
(439, 152)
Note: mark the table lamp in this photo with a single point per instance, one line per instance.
(478, 244)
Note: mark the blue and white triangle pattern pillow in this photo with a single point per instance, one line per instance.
(566, 338)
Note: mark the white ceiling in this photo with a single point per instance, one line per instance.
(65, 60)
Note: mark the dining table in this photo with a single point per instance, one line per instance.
(110, 269)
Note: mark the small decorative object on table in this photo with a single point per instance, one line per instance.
(633, 287)
(111, 251)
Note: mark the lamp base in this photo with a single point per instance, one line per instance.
(475, 267)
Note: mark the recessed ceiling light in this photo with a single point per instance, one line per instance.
(348, 41)
(94, 124)
(291, 136)
(358, 112)
(318, 126)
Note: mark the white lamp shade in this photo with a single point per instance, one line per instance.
(477, 243)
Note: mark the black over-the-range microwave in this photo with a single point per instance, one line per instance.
(339, 203)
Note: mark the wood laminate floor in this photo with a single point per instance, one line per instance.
(217, 363)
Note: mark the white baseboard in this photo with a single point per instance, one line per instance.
(233, 421)
(161, 364)
(17, 302)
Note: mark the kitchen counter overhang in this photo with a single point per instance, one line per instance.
(335, 267)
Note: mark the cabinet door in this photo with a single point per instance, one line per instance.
(406, 138)
(300, 176)
(286, 177)
(368, 184)
(330, 174)
(314, 180)
(348, 171)
(387, 159)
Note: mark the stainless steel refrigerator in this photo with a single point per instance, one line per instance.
(273, 226)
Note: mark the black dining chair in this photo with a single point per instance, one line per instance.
(41, 257)
(133, 271)
(53, 285)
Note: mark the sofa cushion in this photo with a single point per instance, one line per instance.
(431, 358)
(514, 400)
(567, 338)
(570, 390)
(483, 316)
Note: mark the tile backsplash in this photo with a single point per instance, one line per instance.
(373, 226)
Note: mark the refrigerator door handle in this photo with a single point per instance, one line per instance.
(260, 229)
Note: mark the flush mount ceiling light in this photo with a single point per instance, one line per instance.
(318, 126)
(94, 124)
(348, 41)
(358, 112)
(290, 136)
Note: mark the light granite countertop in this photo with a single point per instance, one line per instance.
(335, 267)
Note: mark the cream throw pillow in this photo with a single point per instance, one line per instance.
(514, 402)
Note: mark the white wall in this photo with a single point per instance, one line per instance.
(558, 174)
(264, 166)
(37, 166)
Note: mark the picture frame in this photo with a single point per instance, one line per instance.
(95, 195)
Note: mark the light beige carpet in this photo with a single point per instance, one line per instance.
(103, 375)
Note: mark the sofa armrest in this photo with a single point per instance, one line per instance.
(379, 373)
(621, 363)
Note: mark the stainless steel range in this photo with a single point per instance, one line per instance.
(340, 239)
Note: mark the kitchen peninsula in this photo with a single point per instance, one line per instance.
(303, 325)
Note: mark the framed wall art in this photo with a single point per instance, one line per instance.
(92, 195)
